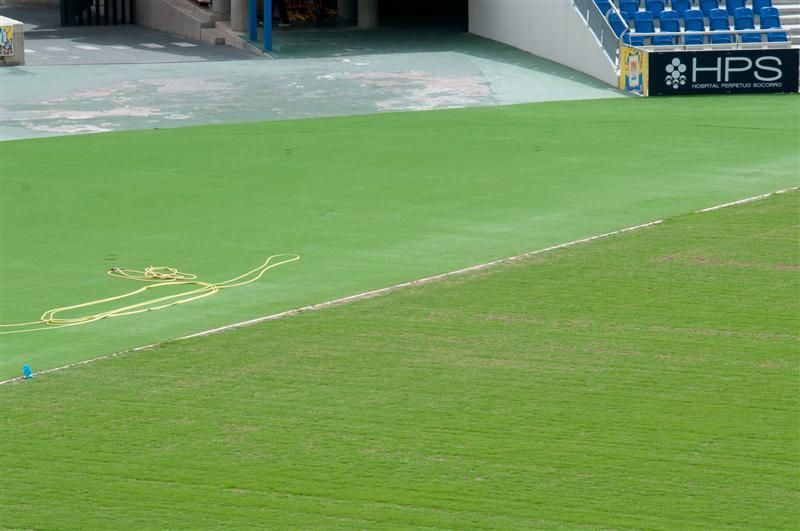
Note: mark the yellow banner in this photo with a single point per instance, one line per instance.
(634, 70)
(6, 40)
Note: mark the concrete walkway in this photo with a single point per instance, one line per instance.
(319, 73)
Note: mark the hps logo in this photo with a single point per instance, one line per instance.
(763, 68)
(676, 74)
(719, 69)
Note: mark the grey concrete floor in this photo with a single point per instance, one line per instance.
(317, 73)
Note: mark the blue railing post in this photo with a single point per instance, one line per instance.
(267, 25)
(253, 20)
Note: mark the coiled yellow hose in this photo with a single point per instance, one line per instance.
(158, 277)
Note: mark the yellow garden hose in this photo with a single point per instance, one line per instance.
(157, 277)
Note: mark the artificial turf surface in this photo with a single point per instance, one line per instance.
(367, 201)
(646, 380)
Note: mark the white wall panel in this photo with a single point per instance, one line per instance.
(552, 29)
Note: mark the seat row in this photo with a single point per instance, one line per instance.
(629, 8)
(694, 23)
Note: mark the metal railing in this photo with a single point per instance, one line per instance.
(597, 21)
(680, 37)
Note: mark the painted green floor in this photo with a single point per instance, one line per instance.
(366, 201)
(645, 381)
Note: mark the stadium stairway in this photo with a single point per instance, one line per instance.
(188, 19)
(180, 17)
(790, 18)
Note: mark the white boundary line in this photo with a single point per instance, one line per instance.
(381, 291)
(748, 200)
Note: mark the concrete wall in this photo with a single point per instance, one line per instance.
(552, 29)
(367, 14)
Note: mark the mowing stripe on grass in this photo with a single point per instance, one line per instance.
(376, 292)
(428, 193)
(645, 381)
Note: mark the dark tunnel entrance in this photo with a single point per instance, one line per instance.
(452, 14)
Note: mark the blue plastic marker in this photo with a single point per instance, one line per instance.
(27, 372)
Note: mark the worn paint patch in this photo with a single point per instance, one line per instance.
(192, 85)
(421, 90)
(69, 129)
(119, 111)
(123, 97)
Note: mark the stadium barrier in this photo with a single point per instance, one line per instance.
(656, 71)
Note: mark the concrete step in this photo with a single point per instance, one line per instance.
(205, 16)
(238, 40)
(179, 17)
(212, 36)
(789, 10)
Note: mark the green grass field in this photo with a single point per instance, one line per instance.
(646, 380)
(367, 201)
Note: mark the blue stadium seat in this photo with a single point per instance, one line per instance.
(616, 24)
(654, 6)
(771, 19)
(693, 22)
(670, 22)
(778, 36)
(770, 13)
(628, 8)
(681, 6)
(633, 40)
(718, 23)
(732, 5)
(605, 6)
(743, 20)
(707, 5)
(643, 22)
(758, 4)
(717, 14)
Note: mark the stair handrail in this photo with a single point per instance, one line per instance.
(598, 23)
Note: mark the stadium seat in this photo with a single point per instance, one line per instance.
(681, 6)
(743, 20)
(771, 19)
(718, 23)
(643, 22)
(778, 36)
(616, 24)
(732, 5)
(717, 14)
(633, 40)
(707, 5)
(654, 6)
(605, 6)
(758, 4)
(693, 22)
(670, 22)
(628, 8)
